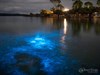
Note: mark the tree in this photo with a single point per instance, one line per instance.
(98, 3)
(43, 12)
(55, 2)
(90, 9)
(77, 4)
(58, 12)
(88, 5)
(60, 7)
(53, 9)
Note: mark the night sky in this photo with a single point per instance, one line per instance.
(27, 6)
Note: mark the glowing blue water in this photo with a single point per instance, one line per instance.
(41, 42)
(48, 46)
(41, 46)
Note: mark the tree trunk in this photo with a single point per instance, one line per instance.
(58, 16)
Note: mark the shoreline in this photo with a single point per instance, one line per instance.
(39, 15)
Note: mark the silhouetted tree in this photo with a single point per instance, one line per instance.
(58, 12)
(98, 3)
(89, 8)
(53, 9)
(55, 2)
(88, 5)
(60, 6)
(43, 12)
(77, 4)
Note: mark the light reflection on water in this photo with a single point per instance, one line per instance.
(65, 30)
(65, 26)
(52, 48)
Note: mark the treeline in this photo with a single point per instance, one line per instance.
(84, 8)
(13, 14)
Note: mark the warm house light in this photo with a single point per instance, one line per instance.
(66, 9)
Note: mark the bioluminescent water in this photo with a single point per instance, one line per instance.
(39, 42)
(28, 51)
(48, 46)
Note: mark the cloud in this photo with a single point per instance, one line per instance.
(30, 5)
(12, 1)
(24, 6)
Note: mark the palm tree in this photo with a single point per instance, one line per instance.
(88, 5)
(98, 3)
(77, 4)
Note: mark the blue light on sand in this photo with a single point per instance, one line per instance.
(41, 42)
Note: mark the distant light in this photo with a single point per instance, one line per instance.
(66, 9)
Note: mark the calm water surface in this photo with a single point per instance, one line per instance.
(49, 46)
